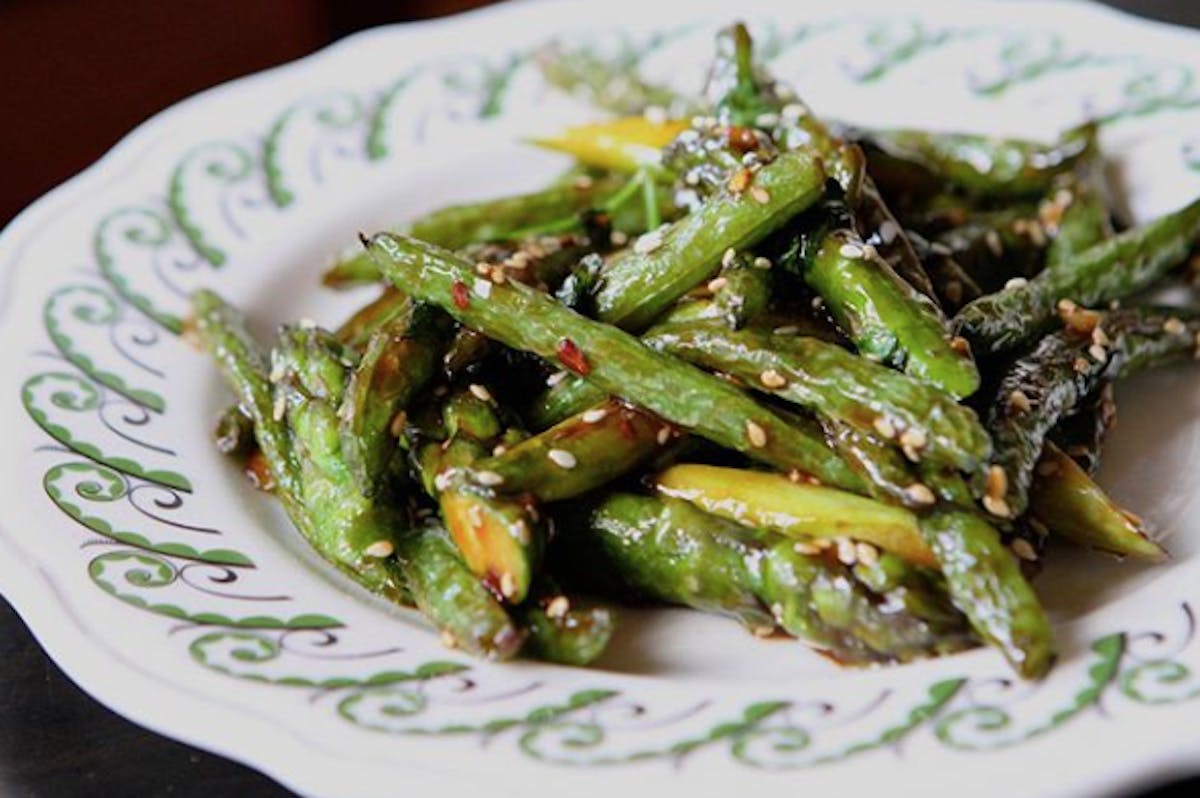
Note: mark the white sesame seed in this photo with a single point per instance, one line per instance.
(1100, 337)
(849, 250)
(728, 257)
(772, 379)
(619, 238)
(1019, 401)
(521, 530)
(884, 427)
(558, 607)
(762, 631)
(556, 378)
(865, 553)
(847, 553)
(997, 506)
(655, 114)
(1098, 353)
(1037, 233)
(762, 263)
(919, 494)
(307, 324)
(595, 415)
(562, 458)
(278, 372)
(489, 479)
(717, 283)
(756, 434)
(279, 408)
(767, 120)
(475, 515)
(442, 480)
(447, 638)
(1022, 548)
(787, 329)
(817, 303)
(938, 248)
(806, 548)
(483, 288)
(508, 585)
(888, 231)
(663, 435)
(994, 244)
(760, 195)
(647, 243)
(380, 549)
(584, 182)
(1047, 468)
(482, 268)
(480, 392)
(793, 112)
(499, 449)
(997, 481)
(1174, 326)
(1016, 282)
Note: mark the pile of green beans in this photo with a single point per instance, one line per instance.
(728, 361)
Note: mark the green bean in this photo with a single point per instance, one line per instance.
(827, 379)
(640, 284)
(1069, 503)
(611, 359)
(565, 629)
(885, 317)
(1113, 269)
(576, 455)
(1053, 379)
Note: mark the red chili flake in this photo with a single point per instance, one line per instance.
(460, 294)
(572, 357)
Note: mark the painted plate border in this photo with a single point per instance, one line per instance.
(117, 679)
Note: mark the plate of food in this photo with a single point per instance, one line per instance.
(576, 397)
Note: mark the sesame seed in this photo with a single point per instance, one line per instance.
(997, 481)
(1098, 352)
(379, 549)
(1023, 549)
(793, 112)
(1037, 233)
(777, 610)
(766, 120)
(619, 238)
(508, 585)
(762, 631)
(448, 640)
(475, 515)
(279, 408)
(664, 435)
(888, 231)
(762, 263)
(1047, 468)
(847, 553)
(480, 392)
(558, 607)
(992, 239)
(996, 506)
(772, 379)
(648, 242)
(1018, 401)
(938, 248)
(1100, 337)
(866, 553)
(884, 427)
(849, 250)
(806, 548)
(595, 415)
(488, 479)
(278, 372)
(787, 329)
(717, 283)
(912, 441)
(1081, 365)
(556, 378)
(442, 480)
(728, 257)
(482, 268)
(760, 195)
(521, 530)
(562, 458)
(307, 324)
(920, 494)
(655, 114)
(1174, 326)
(584, 182)
(482, 288)
(1066, 306)
(756, 434)
(1016, 282)
(499, 449)
(399, 422)
(498, 277)
(817, 303)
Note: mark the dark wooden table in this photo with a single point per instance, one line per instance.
(54, 739)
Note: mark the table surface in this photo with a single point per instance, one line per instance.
(57, 741)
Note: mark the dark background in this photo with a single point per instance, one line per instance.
(75, 76)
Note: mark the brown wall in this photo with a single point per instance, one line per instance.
(76, 75)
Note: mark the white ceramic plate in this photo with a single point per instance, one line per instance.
(174, 594)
